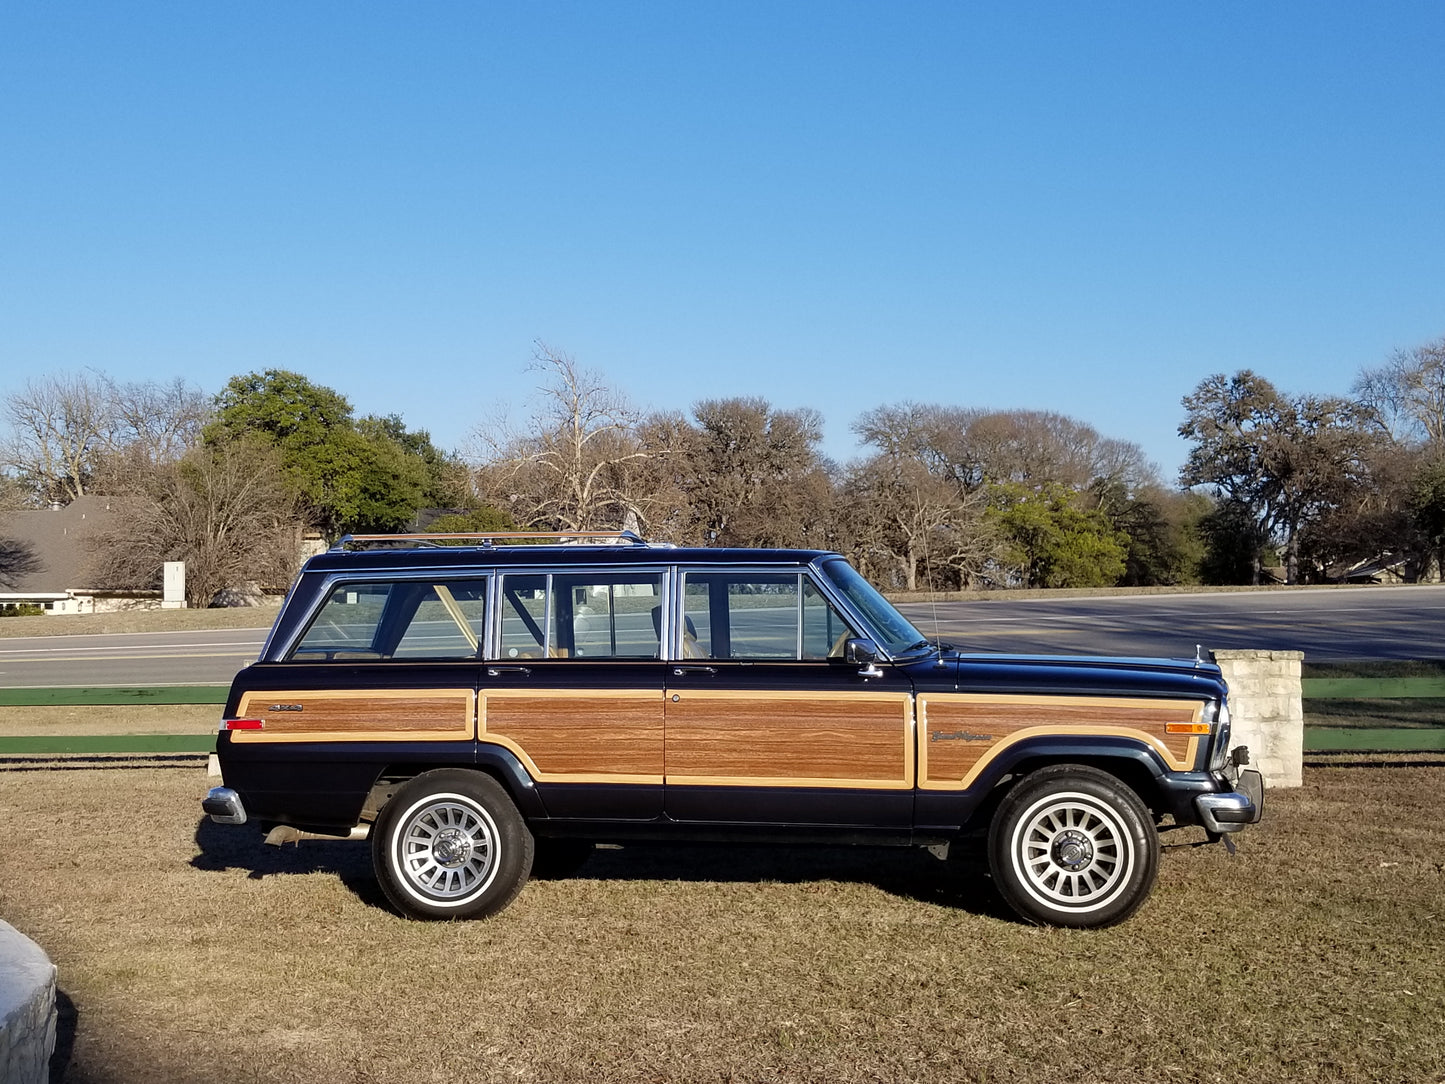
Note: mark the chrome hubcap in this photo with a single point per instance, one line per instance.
(1072, 851)
(448, 849)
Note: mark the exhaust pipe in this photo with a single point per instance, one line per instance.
(284, 833)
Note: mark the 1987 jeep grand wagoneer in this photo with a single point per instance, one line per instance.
(469, 707)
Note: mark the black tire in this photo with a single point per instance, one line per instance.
(556, 859)
(1073, 846)
(451, 844)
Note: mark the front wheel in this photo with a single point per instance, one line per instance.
(450, 844)
(1073, 846)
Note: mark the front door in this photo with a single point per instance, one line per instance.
(766, 722)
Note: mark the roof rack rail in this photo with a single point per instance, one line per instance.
(487, 539)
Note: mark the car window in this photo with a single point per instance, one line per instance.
(583, 615)
(759, 615)
(410, 619)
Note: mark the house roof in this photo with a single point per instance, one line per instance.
(58, 538)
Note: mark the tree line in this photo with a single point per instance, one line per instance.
(1303, 487)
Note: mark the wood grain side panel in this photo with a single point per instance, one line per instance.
(960, 733)
(350, 715)
(580, 736)
(790, 739)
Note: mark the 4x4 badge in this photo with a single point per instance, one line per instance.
(285, 707)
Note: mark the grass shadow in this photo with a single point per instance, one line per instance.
(961, 881)
(909, 873)
(225, 847)
(67, 1019)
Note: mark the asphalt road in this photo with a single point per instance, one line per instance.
(139, 658)
(1355, 623)
(1328, 623)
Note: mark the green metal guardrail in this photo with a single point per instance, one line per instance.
(1395, 739)
(108, 744)
(111, 744)
(113, 696)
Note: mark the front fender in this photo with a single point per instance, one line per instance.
(1135, 762)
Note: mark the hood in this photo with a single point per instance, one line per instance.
(1080, 675)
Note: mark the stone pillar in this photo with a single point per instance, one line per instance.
(27, 1009)
(1264, 702)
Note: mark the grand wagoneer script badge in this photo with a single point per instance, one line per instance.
(959, 735)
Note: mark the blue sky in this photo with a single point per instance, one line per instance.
(1077, 207)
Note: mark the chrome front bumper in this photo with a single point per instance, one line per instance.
(1220, 813)
(224, 806)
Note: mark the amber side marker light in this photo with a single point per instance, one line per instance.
(243, 724)
(1187, 728)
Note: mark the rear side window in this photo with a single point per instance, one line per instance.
(404, 620)
(582, 615)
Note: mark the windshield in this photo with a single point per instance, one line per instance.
(896, 635)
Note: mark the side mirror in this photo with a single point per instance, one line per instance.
(864, 654)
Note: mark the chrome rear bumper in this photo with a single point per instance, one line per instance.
(224, 806)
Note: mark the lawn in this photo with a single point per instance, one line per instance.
(189, 951)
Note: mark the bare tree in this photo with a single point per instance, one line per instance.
(754, 476)
(1408, 393)
(1031, 448)
(160, 422)
(59, 427)
(903, 517)
(572, 469)
(223, 509)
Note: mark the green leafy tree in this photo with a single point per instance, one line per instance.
(1426, 503)
(1233, 540)
(1055, 543)
(353, 477)
(475, 521)
(1161, 529)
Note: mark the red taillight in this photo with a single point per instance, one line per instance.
(243, 724)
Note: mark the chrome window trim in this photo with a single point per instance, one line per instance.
(332, 580)
(841, 601)
(814, 575)
(494, 598)
(672, 577)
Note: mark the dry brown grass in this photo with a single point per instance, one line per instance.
(192, 952)
(66, 721)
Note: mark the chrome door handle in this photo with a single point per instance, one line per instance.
(679, 671)
(498, 671)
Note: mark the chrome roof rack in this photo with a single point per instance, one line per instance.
(489, 539)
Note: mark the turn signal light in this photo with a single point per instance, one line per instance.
(1186, 728)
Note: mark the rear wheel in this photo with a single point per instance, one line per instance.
(1073, 846)
(451, 844)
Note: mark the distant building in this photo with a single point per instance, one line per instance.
(64, 583)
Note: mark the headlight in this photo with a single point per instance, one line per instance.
(1220, 756)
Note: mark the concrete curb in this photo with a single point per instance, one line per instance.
(27, 1009)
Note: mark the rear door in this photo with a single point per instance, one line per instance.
(574, 689)
(766, 722)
